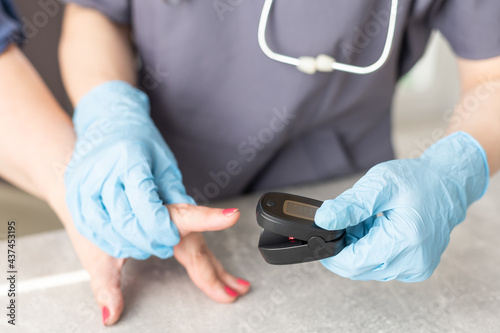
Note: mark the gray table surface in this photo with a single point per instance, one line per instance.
(463, 295)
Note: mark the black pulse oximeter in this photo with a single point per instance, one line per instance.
(289, 234)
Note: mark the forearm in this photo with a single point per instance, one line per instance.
(37, 134)
(478, 113)
(93, 50)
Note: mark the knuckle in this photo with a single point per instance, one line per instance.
(413, 231)
(127, 226)
(383, 168)
(211, 279)
(201, 253)
(103, 293)
(180, 209)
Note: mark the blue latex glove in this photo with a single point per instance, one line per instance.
(121, 174)
(422, 200)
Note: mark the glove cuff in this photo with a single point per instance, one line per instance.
(112, 97)
(462, 160)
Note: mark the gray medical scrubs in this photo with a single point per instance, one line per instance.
(239, 121)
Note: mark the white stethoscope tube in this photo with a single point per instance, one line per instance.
(322, 62)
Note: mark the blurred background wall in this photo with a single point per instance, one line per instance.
(42, 25)
(422, 98)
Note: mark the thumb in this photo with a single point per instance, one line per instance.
(365, 199)
(105, 283)
(190, 218)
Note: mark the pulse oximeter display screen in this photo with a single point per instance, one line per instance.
(300, 210)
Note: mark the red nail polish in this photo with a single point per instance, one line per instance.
(230, 291)
(105, 314)
(229, 211)
(243, 282)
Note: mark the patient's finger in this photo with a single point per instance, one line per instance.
(193, 253)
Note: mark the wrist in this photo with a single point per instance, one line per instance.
(113, 98)
(461, 160)
(56, 200)
(51, 163)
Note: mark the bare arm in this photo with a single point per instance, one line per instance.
(93, 50)
(37, 134)
(478, 112)
(37, 138)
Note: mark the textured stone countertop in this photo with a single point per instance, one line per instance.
(463, 295)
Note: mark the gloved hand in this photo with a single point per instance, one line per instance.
(120, 175)
(421, 201)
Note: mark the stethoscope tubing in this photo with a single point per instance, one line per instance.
(336, 66)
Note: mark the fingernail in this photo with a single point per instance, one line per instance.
(229, 211)
(105, 314)
(230, 291)
(243, 282)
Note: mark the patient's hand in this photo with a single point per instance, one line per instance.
(192, 252)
